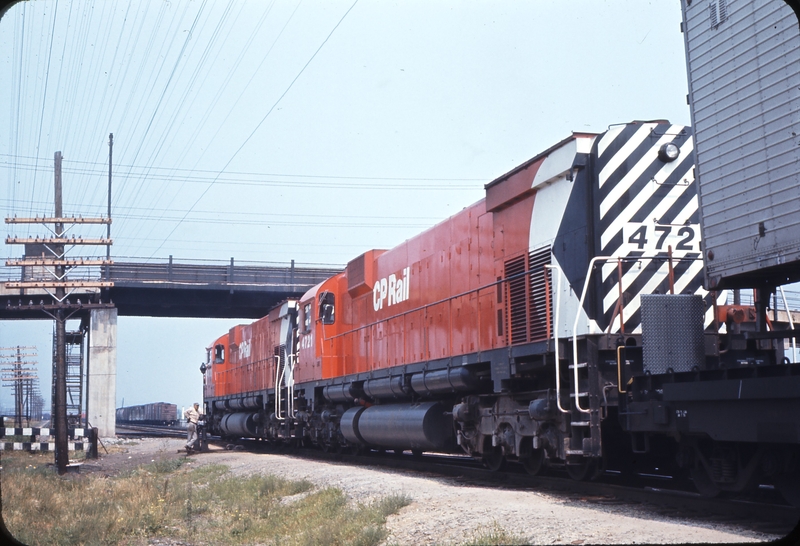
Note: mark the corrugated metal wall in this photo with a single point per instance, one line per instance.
(743, 62)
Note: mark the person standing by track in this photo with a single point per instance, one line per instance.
(192, 416)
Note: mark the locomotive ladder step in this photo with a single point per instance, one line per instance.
(580, 423)
(581, 394)
(580, 365)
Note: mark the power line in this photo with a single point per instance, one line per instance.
(325, 41)
(216, 175)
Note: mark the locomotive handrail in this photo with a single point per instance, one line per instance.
(619, 370)
(791, 322)
(289, 388)
(278, 375)
(592, 263)
(490, 285)
(555, 335)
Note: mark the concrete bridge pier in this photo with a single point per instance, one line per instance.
(102, 387)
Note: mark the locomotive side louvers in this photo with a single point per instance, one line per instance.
(527, 296)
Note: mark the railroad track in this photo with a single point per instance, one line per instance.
(763, 511)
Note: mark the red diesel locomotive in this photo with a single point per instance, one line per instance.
(560, 320)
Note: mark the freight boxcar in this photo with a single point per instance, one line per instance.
(157, 413)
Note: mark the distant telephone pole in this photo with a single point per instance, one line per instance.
(18, 373)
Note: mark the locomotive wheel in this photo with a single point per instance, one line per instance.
(703, 482)
(535, 463)
(494, 460)
(587, 469)
(398, 451)
(788, 485)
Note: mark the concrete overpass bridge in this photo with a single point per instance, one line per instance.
(151, 289)
(174, 289)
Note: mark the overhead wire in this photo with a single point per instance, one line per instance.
(84, 82)
(97, 210)
(253, 132)
(90, 81)
(121, 73)
(234, 67)
(135, 193)
(184, 103)
(59, 127)
(244, 89)
(20, 43)
(238, 178)
(223, 84)
(154, 70)
(35, 99)
(80, 123)
(87, 138)
(111, 72)
(80, 37)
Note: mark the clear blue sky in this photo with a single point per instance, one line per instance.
(313, 131)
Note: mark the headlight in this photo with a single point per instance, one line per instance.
(668, 152)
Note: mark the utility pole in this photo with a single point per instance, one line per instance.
(59, 307)
(60, 417)
(108, 226)
(19, 375)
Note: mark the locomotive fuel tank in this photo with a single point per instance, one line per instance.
(424, 427)
(239, 424)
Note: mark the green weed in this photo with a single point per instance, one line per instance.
(167, 500)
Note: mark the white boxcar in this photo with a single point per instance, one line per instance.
(743, 61)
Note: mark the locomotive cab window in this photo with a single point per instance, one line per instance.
(306, 318)
(326, 308)
(219, 354)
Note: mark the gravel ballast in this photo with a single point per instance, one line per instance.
(444, 511)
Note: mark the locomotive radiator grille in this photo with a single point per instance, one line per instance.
(538, 295)
(517, 300)
(527, 296)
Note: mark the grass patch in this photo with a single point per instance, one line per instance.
(167, 500)
(493, 534)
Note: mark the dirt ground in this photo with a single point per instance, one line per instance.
(444, 511)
